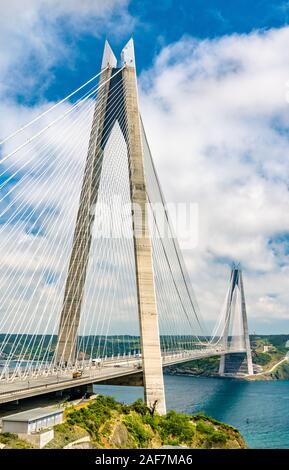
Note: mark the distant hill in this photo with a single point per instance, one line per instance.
(267, 350)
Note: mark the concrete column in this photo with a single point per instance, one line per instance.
(88, 390)
(148, 315)
(245, 326)
(222, 364)
(74, 288)
(226, 330)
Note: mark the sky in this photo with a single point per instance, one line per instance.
(214, 90)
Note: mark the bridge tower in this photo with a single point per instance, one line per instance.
(108, 111)
(236, 363)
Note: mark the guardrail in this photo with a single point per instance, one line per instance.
(112, 362)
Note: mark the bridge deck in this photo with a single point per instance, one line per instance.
(110, 369)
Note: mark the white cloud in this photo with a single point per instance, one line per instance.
(33, 36)
(217, 120)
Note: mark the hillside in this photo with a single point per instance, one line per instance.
(207, 367)
(104, 423)
(267, 351)
(113, 425)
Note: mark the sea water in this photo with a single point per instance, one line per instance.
(259, 410)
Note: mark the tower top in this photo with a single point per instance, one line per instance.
(236, 266)
(108, 58)
(127, 56)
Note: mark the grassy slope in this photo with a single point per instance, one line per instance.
(114, 425)
(11, 441)
(268, 359)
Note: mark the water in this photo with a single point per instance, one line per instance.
(260, 410)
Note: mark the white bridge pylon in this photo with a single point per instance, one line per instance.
(91, 274)
(235, 332)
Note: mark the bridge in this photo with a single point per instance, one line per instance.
(94, 288)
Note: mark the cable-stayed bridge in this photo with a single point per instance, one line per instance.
(94, 288)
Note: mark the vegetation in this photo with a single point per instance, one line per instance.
(139, 430)
(106, 423)
(201, 367)
(261, 358)
(266, 359)
(114, 425)
(277, 341)
(268, 351)
(64, 434)
(12, 441)
(109, 345)
(281, 372)
(177, 429)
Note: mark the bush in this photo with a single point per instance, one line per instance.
(12, 441)
(6, 437)
(141, 434)
(261, 358)
(153, 421)
(178, 427)
(64, 434)
(140, 407)
(210, 435)
(204, 427)
(218, 437)
(201, 416)
(94, 415)
(126, 409)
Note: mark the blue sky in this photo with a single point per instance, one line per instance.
(213, 80)
(155, 25)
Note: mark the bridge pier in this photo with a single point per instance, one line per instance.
(88, 389)
(112, 111)
(236, 363)
(147, 307)
(75, 283)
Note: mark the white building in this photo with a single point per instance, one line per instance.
(32, 421)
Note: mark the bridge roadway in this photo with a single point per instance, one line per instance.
(111, 368)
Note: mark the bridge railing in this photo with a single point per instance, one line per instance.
(94, 365)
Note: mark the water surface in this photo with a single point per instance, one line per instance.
(260, 410)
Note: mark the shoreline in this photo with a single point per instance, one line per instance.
(260, 376)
